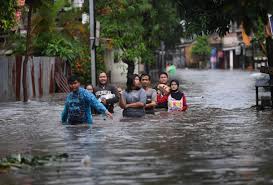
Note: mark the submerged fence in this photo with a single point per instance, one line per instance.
(45, 75)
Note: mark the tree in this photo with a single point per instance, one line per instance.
(7, 14)
(137, 28)
(32, 6)
(121, 21)
(54, 29)
(161, 23)
(7, 21)
(201, 48)
(259, 36)
(212, 16)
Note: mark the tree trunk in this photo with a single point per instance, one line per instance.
(269, 50)
(131, 67)
(147, 68)
(28, 42)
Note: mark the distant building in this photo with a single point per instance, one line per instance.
(233, 51)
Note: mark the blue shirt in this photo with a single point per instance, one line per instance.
(77, 107)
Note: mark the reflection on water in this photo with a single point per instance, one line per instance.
(221, 139)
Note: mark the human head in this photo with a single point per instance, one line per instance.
(174, 84)
(74, 83)
(163, 78)
(90, 88)
(133, 83)
(145, 80)
(103, 78)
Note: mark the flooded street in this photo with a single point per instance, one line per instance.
(221, 139)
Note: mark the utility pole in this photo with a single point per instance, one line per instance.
(162, 53)
(92, 41)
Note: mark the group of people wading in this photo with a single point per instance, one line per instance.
(136, 100)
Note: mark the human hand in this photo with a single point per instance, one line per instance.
(108, 114)
(103, 100)
(119, 90)
(163, 88)
(159, 86)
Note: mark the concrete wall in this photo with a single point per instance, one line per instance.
(119, 69)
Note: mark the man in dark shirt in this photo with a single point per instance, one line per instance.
(150, 93)
(106, 93)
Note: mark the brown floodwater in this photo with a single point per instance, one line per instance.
(221, 139)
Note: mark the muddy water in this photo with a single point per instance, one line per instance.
(221, 139)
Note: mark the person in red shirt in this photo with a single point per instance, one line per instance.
(163, 91)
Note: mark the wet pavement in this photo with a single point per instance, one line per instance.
(221, 139)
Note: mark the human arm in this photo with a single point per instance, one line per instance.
(135, 105)
(99, 95)
(150, 105)
(122, 100)
(141, 102)
(153, 100)
(94, 102)
(108, 114)
(64, 115)
(114, 99)
(185, 106)
(164, 88)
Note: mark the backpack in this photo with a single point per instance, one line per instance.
(76, 109)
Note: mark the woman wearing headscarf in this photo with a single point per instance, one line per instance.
(176, 99)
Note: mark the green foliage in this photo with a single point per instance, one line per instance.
(161, 23)
(201, 46)
(7, 14)
(40, 42)
(53, 33)
(19, 44)
(19, 161)
(259, 35)
(259, 39)
(44, 18)
(82, 66)
(134, 27)
(210, 16)
(63, 48)
(52, 44)
(138, 27)
(71, 23)
(121, 22)
(204, 17)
